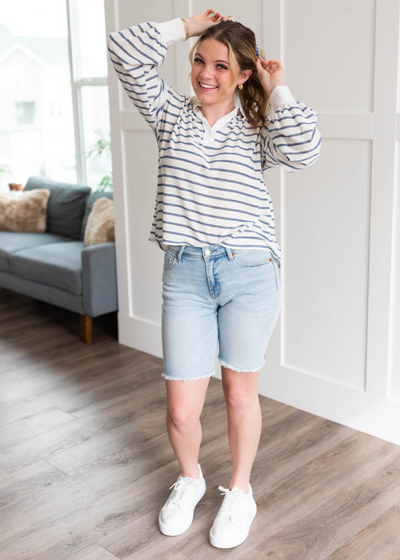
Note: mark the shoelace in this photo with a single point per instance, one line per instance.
(180, 495)
(231, 499)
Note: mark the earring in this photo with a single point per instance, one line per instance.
(240, 86)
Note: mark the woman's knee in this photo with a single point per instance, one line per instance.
(239, 400)
(182, 417)
(239, 397)
(240, 388)
(185, 400)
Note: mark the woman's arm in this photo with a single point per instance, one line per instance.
(290, 138)
(135, 53)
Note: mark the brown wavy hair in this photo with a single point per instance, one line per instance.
(241, 43)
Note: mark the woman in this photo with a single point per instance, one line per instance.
(214, 220)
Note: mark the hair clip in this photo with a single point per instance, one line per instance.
(257, 47)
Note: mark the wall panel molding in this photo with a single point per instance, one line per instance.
(366, 403)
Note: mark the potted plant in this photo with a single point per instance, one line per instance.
(102, 145)
(16, 186)
(5, 173)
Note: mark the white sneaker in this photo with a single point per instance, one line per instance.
(176, 515)
(235, 516)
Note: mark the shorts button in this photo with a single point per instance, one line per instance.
(207, 252)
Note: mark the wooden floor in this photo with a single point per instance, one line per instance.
(86, 464)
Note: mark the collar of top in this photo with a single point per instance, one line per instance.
(209, 137)
(220, 122)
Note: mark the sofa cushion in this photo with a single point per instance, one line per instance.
(24, 211)
(11, 242)
(58, 265)
(100, 224)
(89, 205)
(66, 206)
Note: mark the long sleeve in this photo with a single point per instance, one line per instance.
(290, 138)
(136, 53)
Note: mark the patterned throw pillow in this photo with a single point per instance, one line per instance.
(100, 224)
(24, 211)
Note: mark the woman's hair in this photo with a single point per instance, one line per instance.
(241, 44)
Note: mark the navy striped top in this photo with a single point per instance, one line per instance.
(211, 188)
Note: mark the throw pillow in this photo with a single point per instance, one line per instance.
(91, 199)
(100, 224)
(66, 205)
(24, 211)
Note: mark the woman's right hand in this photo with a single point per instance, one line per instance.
(200, 23)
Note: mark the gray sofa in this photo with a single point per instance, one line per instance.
(54, 266)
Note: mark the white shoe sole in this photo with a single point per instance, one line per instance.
(219, 542)
(174, 530)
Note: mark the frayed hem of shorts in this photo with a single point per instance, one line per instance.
(188, 379)
(241, 370)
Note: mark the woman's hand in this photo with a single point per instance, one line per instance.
(270, 73)
(200, 23)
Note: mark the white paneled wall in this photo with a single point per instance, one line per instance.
(335, 351)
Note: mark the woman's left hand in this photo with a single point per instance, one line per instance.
(270, 73)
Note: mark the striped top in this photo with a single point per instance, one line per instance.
(211, 189)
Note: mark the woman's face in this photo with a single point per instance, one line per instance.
(211, 67)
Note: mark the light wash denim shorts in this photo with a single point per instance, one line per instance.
(214, 295)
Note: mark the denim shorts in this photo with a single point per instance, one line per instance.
(214, 295)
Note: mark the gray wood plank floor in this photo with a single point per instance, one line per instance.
(86, 464)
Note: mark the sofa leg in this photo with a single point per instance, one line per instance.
(86, 327)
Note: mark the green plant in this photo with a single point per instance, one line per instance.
(5, 169)
(97, 149)
(5, 176)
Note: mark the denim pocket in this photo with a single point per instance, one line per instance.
(252, 257)
(169, 261)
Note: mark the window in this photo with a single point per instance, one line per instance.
(25, 112)
(53, 87)
(96, 119)
(90, 92)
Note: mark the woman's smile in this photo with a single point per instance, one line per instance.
(208, 87)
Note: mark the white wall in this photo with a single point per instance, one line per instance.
(335, 351)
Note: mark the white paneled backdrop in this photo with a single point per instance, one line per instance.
(335, 350)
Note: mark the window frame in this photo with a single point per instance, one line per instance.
(77, 82)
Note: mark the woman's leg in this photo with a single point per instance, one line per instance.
(185, 400)
(244, 422)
